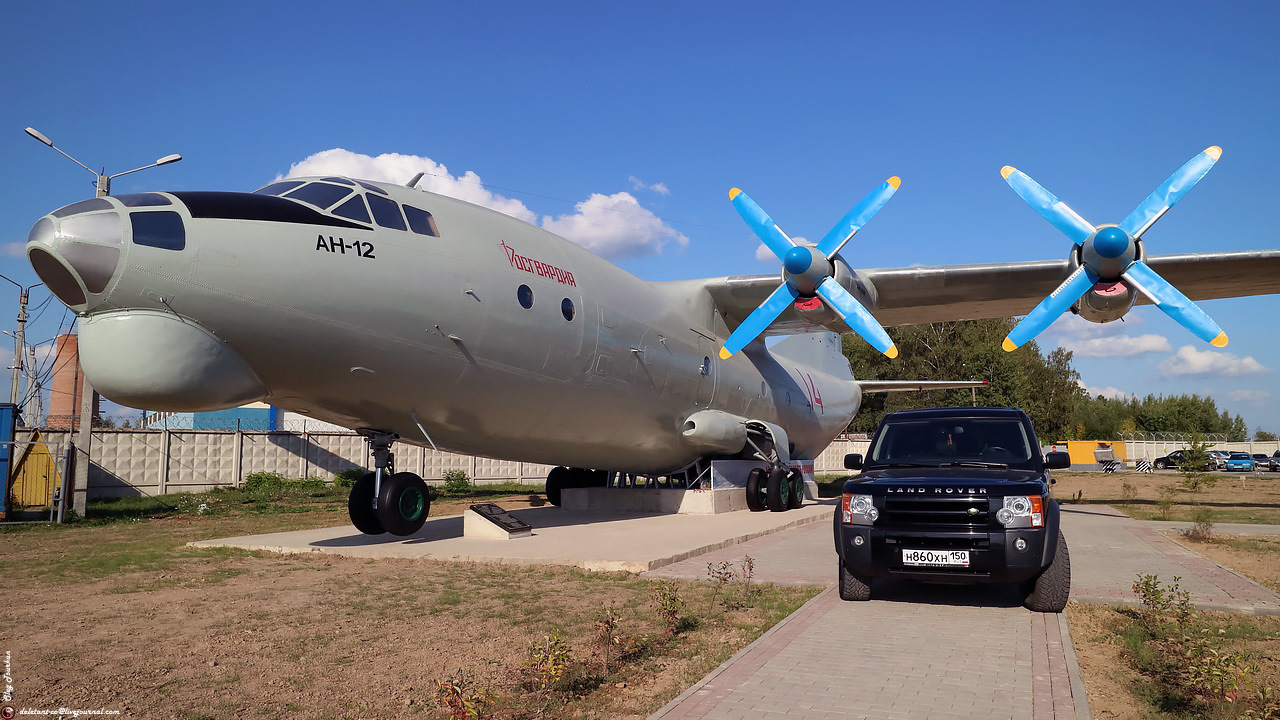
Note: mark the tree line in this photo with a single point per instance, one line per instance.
(1046, 386)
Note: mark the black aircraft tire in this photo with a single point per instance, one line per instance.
(756, 481)
(778, 494)
(360, 506)
(853, 587)
(1048, 593)
(557, 480)
(797, 490)
(403, 504)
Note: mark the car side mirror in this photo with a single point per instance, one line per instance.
(1057, 460)
(853, 461)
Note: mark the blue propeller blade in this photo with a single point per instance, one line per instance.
(856, 316)
(857, 217)
(1043, 315)
(1170, 192)
(1174, 303)
(761, 224)
(1048, 205)
(759, 320)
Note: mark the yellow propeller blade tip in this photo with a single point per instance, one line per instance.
(1220, 341)
(1008, 345)
(1214, 152)
(892, 352)
(725, 354)
(733, 193)
(1006, 171)
(895, 181)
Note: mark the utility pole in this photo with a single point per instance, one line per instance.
(84, 434)
(19, 341)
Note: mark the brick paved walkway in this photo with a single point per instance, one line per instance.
(924, 651)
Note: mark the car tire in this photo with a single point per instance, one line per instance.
(360, 506)
(1160, 464)
(403, 503)
(1048, 593)
(852, 586)
(757, 480)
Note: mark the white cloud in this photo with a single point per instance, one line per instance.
(1253, 398)
(615, 226)
(1190, 361)
(1117, 346)
(638, 184)
(764, 254)
(612, 226)
(1113, 393)
(13, 249)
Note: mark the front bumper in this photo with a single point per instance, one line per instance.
(993, 556)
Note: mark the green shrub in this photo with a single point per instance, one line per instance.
(347, 478)
(456, 481)
(259, 481)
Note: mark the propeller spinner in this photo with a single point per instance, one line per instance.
(807, 272)
(1110, 253)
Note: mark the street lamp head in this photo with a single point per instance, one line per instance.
(169, 159)
(39, 136)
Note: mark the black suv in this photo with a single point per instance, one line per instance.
(954, 495)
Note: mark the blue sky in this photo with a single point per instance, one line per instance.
(650, 112)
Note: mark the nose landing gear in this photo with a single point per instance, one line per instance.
(385, 501)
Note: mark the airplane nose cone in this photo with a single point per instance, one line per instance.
(76, 251)
(1111, 242)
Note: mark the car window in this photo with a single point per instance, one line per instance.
(946, 440)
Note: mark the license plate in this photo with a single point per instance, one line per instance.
(936, 558)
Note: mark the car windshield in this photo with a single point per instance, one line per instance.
(1240, 456)
(938, 442)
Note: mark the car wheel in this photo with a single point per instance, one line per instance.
(1049, 591)
(1161, 464)
(852, 586)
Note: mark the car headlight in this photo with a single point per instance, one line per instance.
(858, 510)
(1022, 511)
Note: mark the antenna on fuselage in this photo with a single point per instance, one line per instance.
(415, 180)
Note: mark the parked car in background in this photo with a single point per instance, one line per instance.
(1261, 459)
(1220, 458)
(1240, 461)
(1172, 460)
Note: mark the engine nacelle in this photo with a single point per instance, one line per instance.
(1109, 299)
(712, 432)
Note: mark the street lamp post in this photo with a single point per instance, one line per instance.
(84, 433)
(20, 347)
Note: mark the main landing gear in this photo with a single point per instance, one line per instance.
(561, 478)
(774, 489)
(385, 501)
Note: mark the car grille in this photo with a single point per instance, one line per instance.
(951, 512)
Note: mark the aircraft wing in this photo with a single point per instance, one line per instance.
(912, 295)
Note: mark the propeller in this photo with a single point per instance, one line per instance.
(807, 271)
(1109, 253)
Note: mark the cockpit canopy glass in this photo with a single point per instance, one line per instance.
(322, 195)
(335, 193)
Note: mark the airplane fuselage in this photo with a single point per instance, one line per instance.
(467, 329)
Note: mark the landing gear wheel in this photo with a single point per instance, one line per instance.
(1049, 592)
(557, 480)
(360, 506)
(403, 503)
(779, 490)
(797, 490)
(853, 587)
(756, 489)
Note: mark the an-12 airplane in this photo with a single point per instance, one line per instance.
(418, 317)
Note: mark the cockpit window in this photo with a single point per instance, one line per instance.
(420, 221)
(279, 188)
(340, 181)
(322, 195)
(162, 230)
(373, 188)
(386, 212)
(143, 200)
(83, 206)
(353, 209)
